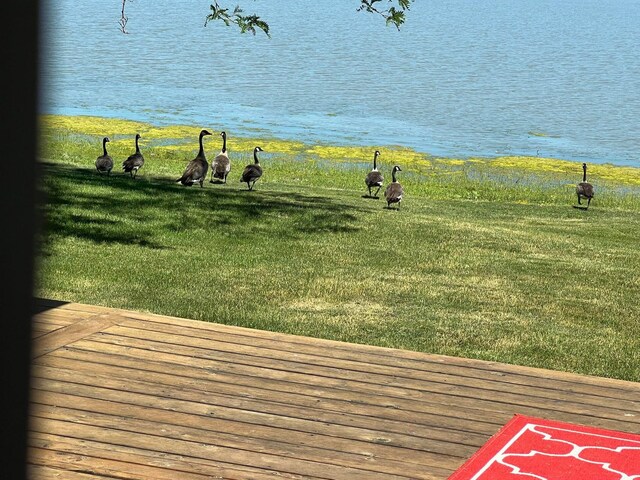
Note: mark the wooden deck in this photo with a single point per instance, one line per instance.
(128, 395)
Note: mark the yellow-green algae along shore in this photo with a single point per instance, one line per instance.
(77, 140)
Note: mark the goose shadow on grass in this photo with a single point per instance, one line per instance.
(79, 202)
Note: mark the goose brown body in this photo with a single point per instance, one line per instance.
(196, 170)
(134, 161)
(253, 171)
(221, 165)
(584, 189)
(374, 178)
(394, 191)
(104, 163)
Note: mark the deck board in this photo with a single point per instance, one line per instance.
(121, 394)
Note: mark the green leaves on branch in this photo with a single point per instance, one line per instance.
(246, 23)
(394, 13)
(395, 17)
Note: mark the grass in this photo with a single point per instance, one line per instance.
(485, 258)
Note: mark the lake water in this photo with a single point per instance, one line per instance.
(557, 78)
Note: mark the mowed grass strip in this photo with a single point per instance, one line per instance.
(483, 260)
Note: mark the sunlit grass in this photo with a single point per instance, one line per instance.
(486, 257)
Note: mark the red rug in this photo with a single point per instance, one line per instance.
(529, 448)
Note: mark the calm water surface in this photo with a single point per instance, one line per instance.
(462, 77)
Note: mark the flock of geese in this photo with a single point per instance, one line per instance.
(197, 169)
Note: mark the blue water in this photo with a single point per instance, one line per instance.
(555, 78)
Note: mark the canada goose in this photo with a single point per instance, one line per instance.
(104, 163)
(584, 189)
(133, 163)
(394, 191)
(221, 165)
(253, 171)
(196, 170)
(374, 177)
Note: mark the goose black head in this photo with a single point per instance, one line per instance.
(205, 132)
(105, 139)
(397, 168)
(138, 136)
(223, 134)
(376, 153)
(258, 149)
(584, 166)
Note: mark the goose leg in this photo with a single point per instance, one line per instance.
(579, 202)
(369, 190)
(376, 195)
(588, 202)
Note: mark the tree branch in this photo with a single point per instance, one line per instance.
(392, 14)
(123, 19)
(246, 23)
(393, 11)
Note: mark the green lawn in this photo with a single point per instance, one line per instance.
(486, 258)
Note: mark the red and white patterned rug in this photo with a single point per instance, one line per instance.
(529, 448)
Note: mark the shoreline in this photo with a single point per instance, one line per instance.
(246, 131)
(180, 138)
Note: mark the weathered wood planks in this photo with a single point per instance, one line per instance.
(120, 394)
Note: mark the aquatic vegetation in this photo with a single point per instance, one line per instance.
(615, 173)
(389, 154)
(536, 133)
(451, 161)
(271, 145)
(94, 125)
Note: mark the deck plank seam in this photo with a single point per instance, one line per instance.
(507, 407)
(72, 333)
(367, 349)
(483, 365)
(356, 365)
(300, 420)
(331, 371)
